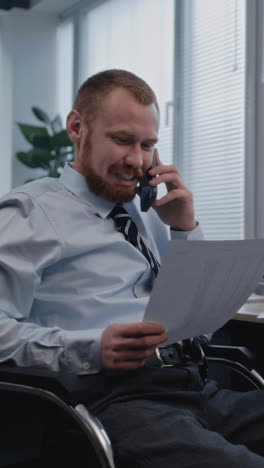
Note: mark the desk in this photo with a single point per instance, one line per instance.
(246, 328)
(252, 310)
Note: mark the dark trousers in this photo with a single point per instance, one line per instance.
(168, 418)
(158, 418)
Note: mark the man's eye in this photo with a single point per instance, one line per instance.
(121, 141)
(147, 146)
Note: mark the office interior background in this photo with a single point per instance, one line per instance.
(203, 58)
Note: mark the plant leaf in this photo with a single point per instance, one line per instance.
(29, 131)
(41, 141)
(41, 115)
(53, 172)
(63, 157)
(61, 140)
(56, 124)
(35, 158)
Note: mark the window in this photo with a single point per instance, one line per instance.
(211, 146)
(64, 68)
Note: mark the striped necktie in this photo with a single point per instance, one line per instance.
(125, 224)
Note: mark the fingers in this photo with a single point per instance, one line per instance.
(173, 195)
(177, 190)
(128, 359)
(167, 174)
(126, 346)
(141, 329)
(133, 355)
(172, 177)
(138, 343)
(162, 168)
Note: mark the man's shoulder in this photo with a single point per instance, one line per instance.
(33, 197)
(37, 188)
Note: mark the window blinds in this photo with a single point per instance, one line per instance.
(212, 113)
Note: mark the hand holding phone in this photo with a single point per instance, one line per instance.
(147, 192)
(175, 208)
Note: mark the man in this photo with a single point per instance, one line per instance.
(75, 283)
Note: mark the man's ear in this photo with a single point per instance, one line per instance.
(73, 125)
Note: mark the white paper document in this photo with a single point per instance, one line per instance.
(202, 284)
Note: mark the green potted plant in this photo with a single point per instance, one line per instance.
(50, 148)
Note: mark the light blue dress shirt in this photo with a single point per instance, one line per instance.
(66, 274)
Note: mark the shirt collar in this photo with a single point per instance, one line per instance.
(76, 184)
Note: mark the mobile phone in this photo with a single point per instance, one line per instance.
(147, 193)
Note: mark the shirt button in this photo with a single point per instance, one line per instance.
(86, 365)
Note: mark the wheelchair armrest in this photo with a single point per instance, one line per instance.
(71, 388)
(238, 354)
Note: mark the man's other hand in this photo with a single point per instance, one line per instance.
(127, 346)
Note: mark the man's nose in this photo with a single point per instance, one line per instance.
(134, 156)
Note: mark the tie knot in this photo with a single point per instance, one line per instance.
(119, 212)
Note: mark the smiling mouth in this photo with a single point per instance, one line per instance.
(126, 177)
(126, 180)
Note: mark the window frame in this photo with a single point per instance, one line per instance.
(256, 48)
(250, 187)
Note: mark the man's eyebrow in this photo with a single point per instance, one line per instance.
(152, 140)
(124, 133)
(120, 133)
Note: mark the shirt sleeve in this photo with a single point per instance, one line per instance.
(29, 244)
(195, 234)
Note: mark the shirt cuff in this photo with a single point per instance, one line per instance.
(195, 234)
(82, 352)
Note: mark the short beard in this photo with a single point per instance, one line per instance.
(101, 188)
(113, 193)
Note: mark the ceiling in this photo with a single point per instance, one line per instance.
(52, 6)
(8, 4)
(48, 6)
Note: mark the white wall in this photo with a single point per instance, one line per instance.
(5, 112)
(28, 45)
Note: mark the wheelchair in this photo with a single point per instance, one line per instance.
(29, 396)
